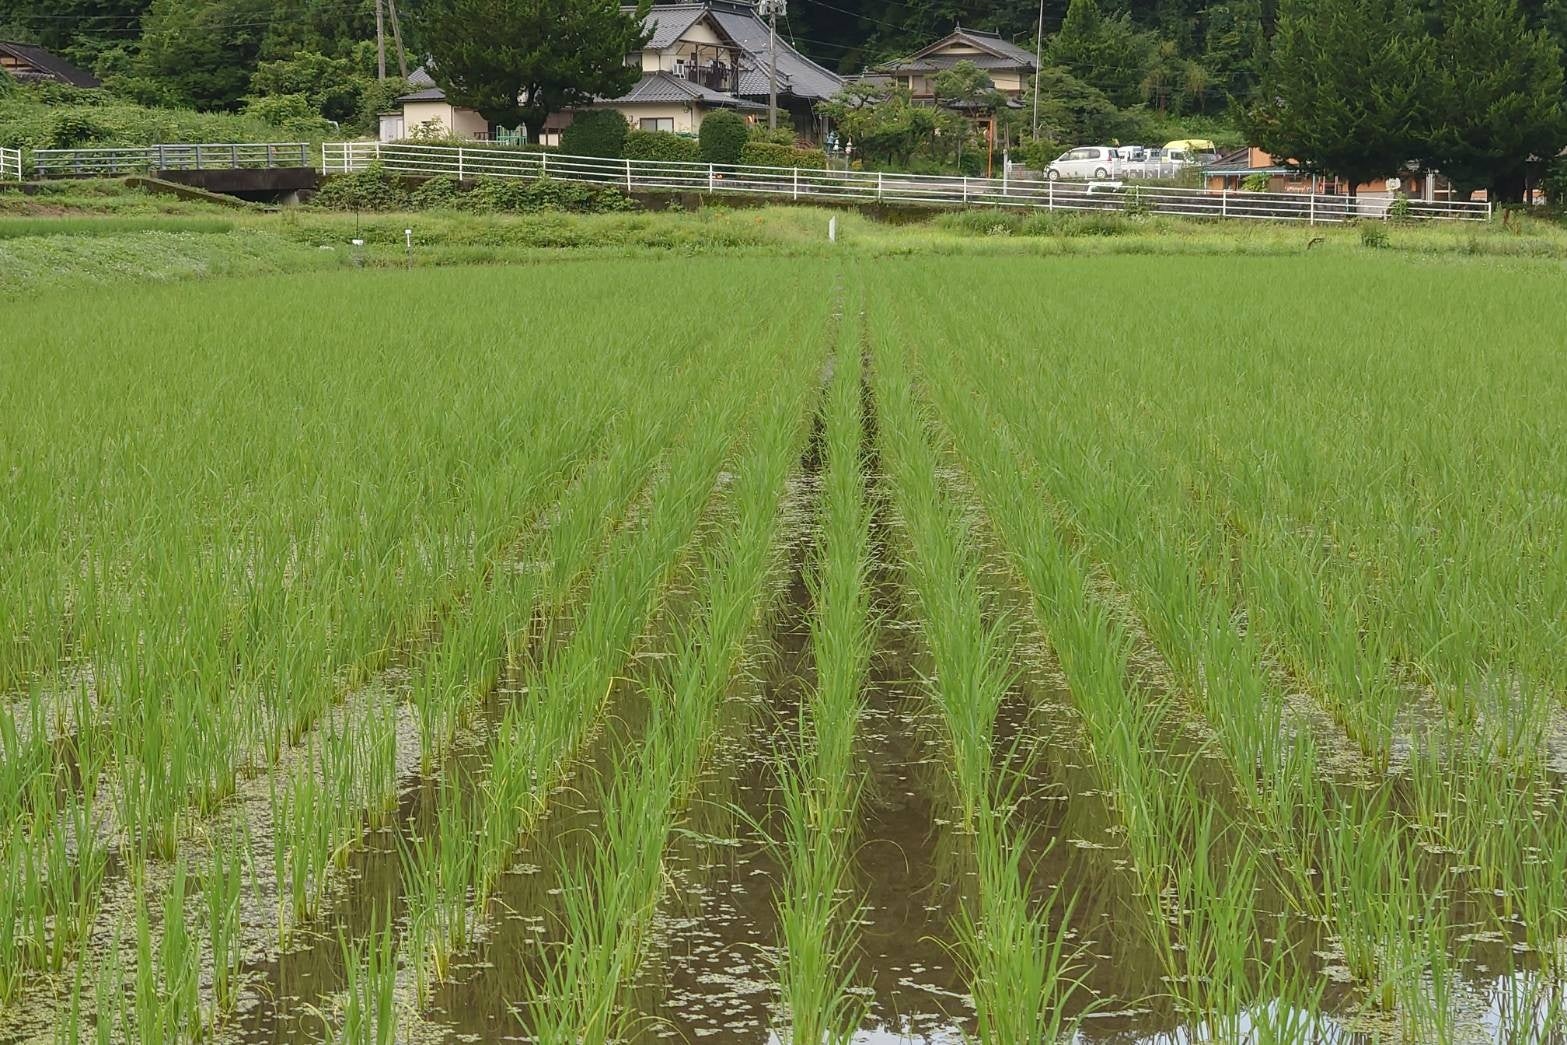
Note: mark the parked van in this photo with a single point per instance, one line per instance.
(1090, 161)
(1189, 150)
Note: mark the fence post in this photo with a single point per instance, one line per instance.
(270, 161)
(1004, 165)
(459, 163)
(878, 185)
(198, 156)
(1311, 214)
(628, 174)
(1050, 193)
(233, 154)
(710, 177)
(965, 188)
(797, 183)
(1224, 203)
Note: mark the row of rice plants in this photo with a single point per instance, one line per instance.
(610, 898)
(1016, 951)
(819, 786)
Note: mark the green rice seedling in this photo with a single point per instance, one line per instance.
(369, 1010)
(222, 886)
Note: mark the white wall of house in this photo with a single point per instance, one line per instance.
(669, 116)
(459, 123)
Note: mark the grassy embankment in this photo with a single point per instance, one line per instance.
(95, 232)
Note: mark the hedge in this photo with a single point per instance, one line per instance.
(661, 145)
(64, 118)
(596, 132)
(770, 154)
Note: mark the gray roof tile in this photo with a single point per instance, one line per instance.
(50, 65)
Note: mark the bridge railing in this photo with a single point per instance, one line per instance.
(10, 165)
(79, 163)
(464, 162)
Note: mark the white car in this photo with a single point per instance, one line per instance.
(1091, 161)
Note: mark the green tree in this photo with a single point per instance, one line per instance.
(1104, 50)
(1073, 112)
(1235, 48)
(197, 53)
(332, 86)
(1348, 88)
(883, 123)
(1500, 96)
(518, 61)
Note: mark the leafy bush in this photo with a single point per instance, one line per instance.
(771, 154)
(722, 137)
(435, 194)
(373, 189)
(1373, 234)
(596, 132)
(772, 136)
(51, 116)
(369, 189)
(661, 145)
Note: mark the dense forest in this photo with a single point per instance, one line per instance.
(1474, 87)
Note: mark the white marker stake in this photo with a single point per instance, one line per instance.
(832, 230)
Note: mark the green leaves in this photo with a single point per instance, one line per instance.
(518, 61)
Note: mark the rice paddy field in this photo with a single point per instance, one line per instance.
(835, 649)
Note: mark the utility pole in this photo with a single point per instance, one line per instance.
(397, 40)
(380, 43)
(772, 9)
(1039, 62)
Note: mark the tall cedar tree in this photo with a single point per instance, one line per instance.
(1104, 50)
(1348, 88)
(518, 61)
(1500, 84)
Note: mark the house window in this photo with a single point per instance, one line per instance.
(657, 123)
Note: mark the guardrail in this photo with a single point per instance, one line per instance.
(871, 186)
(79, 163)
(10, 164)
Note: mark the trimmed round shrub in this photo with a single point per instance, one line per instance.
(595, 132)
(661, 145)
(723, 135)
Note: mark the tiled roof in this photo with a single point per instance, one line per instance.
(421, 78)
(996, 49)
(670, 22)
(667, 87)
(797, 74)
(429, 94)
(806, 79)
(50, 66)
(938, 62)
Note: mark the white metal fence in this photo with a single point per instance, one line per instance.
(57, 163)
(10, 164)
(872, 186)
